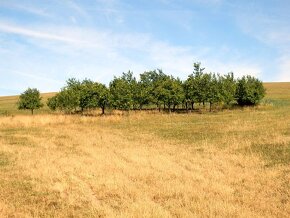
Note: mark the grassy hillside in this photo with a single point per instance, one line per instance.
(278, 94)
(8, 105)
(279, 90)
(234, 163)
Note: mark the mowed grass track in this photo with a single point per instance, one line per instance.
(233, 163)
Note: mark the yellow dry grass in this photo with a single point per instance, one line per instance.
(228, 164)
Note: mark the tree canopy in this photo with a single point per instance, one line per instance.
(250, 91)
(30, 100)
(154, 89)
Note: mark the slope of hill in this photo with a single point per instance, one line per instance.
(278, 93)
(234, 163)
(8, 104)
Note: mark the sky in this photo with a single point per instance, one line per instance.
(45, 42)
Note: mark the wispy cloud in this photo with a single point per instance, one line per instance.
(270, 26)
(100, 55)
(14, 29)
(25, 8)
(102, 38)
(76, 7)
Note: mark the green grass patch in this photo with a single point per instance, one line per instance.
(4, 159)
(277, 102)
(273, 154)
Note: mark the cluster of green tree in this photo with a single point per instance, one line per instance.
(79, 96)
(158, 90)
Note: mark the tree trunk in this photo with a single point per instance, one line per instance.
(192, 106)
(186, 106)
(103, 110)
(210, 106)
(32, 111)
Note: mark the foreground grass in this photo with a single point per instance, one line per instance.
(226, 164)
(229, 164)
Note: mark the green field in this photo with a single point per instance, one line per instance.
(8, 105)
(230, 163)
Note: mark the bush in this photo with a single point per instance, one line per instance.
(250, 91)
(52, 103)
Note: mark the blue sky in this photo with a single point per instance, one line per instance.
(45, 42)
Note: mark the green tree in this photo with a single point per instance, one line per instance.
(197, 69)
(93, 95)
(102, 96)
(121, 96)
(30, 100)
(73, 87)
(214, 90)
(82, 95)
(88, 95)
(141, 94)
(228, 89)
(250, 91)
(52, 103)
(200, 85)
(203, 88)
(190, 87)
(150, 87)
(158, 91)
(67, 100)
(171, 92)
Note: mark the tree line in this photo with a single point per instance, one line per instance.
(155, 90)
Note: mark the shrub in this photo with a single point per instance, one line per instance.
(250, 91)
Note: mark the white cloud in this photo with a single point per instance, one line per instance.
(10, 28)
(31, 79)
(272, 29)
(269, 30)
(239, 69)
(25, 8)
(80, 10)
(284, 68)
(99, 55)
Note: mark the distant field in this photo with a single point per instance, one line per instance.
(278, 90)
(8, 105)
(278, 93)
(232, 163)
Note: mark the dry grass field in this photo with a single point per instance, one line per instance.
(234, 163)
